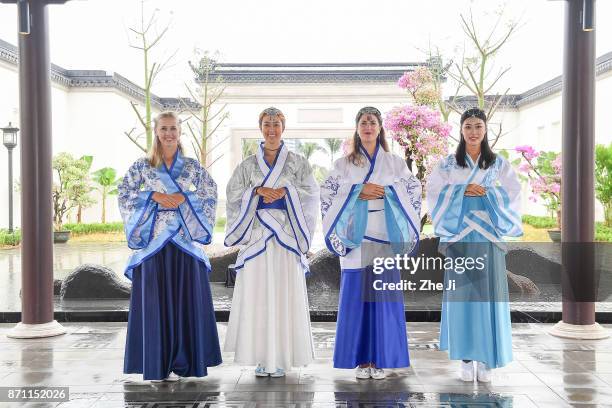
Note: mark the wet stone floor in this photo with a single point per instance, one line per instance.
(546, 372)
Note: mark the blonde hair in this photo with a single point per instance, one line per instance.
(155, 153)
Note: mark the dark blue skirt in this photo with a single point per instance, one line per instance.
(371, 325)
(171, 325)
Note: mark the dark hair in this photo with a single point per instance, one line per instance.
(487, 157)
(355, 155)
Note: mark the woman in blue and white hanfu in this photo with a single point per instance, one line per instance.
(370, 204)
(168, 203)
(272, 203)
(474, 198)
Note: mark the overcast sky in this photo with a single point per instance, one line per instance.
(93, 34)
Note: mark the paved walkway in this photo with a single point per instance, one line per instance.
(547, 372)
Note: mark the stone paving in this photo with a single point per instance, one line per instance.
(547, 372)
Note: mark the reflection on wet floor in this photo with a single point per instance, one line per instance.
(546, 372)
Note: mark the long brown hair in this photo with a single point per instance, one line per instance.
(155, 153)
(355, 156)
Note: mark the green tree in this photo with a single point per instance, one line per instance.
(320, 173)
(249, 147)
(603, 179)
(107, 180)
(72, 186)
(308, 149)
(87, 201)
(333, 147)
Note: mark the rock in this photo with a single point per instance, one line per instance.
(90, 281)
(324, 271)
(428, 249)
(524, 259)
(522, 284)
(219, 264)
(57, 287)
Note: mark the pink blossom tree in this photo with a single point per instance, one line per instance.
(543, 172)
(419, 130)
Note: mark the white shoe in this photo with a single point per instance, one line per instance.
(362, 373)
(377, 373)
(467, 371)
(484, 373)
(260, 371)
(171, 378)
(278, 373)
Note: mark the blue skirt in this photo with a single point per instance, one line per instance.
(475, 322)
(171, 325)
(371, 325)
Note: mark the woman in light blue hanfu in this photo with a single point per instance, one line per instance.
(168, 204)
(474, 199)
(272, 203)
(370, 204)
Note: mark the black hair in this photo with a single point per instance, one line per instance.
(487, 157)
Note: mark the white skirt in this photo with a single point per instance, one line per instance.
(269, 322)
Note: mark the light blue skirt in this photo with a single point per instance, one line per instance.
(475, 323)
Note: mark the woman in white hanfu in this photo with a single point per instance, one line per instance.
(474, 198)
(168, 204)
(370, 204)
(272, 203)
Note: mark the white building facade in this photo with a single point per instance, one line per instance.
(92, 112)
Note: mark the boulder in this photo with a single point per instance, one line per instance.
(531, 260)
(90, 281)
(324, 271)
(220, 262)
(57, 287)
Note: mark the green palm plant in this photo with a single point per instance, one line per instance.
(333, 146)
(107, 180)
(308, 149)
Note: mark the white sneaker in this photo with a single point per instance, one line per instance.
(377, 373)
(362, 373)
(171, 378)
(260, 371)
(467, 371)
(278, 373)
(484, 373)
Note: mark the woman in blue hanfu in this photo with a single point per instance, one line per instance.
(168, 203)
(474, 197)
(370, 204)
(272, 204)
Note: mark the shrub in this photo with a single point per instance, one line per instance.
(539, 222)
(220, 222)
(602, 232)
(12, 239)
(93, 228)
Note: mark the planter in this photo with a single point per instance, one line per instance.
(61, 237)
(555, 235)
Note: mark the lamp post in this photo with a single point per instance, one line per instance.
(9, 139)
